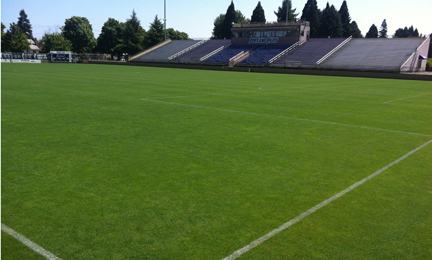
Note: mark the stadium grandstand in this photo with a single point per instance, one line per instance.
(380, 54)
(278, 45)
(288, 45)
(164, 51)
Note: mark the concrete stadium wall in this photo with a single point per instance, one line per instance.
(414, 63)
(318, 72)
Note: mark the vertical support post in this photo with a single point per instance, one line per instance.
(165, 20)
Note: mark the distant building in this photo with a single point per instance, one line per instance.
(270, 33)
(33, 47)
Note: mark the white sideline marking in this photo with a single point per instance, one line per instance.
(317, 207)
(406, 98)
(248, 91)
(202, 95)
(287, 117)
(33, 246)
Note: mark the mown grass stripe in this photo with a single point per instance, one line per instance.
(308, 212)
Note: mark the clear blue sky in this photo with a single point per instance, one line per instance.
(196, 17)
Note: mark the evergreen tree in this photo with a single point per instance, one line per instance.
(356, 33)
(411, 31)
(133, 36)
(312, 14)
(281, 14)
(218, 24)
(155, 34)
(230, 18)
(345, 19)
(258, 15)
(111, 35)
(240, 18)
(406, 32)
(15, 40)
(24, 24)
(78, 30)
(2, 37)
(331, 25)
(176, 35)
(383, 30)
(373, 32)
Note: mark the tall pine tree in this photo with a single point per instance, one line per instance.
(258, 15)
(345, 20)
(281, 14)
(219, 23)
(373, 32)
(383, 30)
(356, 33)
(155, 34)
(24, 24)
(312, 14)
(406, 33)
(133, 36)
(218, 27)
(3, 49)
(331, 25)
(230, 18)
(15, 40)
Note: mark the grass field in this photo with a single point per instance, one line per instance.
(118, 162)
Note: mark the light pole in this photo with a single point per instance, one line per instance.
(165, 20)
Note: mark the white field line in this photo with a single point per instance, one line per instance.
(318, 206)
(406, 98)
(33, 246)
(286, 117)
(237, 92)
(203, 95)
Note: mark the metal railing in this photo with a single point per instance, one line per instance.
(285, 52)
(333, 51)
(178, 54)
(149, 50)
(270, 24)
(412, 55)
(213, 53)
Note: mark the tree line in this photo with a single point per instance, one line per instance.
(77, 35)
(328, 22)
(130, 37)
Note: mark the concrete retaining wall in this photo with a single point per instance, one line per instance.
(319, 72)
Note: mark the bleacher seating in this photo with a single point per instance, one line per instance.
(311, 51)
(196, 54)
(162, 54)
(373, 54)
(263, 54)
(355, 54)
(223, 57)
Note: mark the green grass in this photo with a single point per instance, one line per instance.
(118, 162)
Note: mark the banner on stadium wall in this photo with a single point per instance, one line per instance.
(264, 40)
(20, 61)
